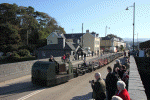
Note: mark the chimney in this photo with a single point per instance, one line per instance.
(61, 42)
(94, 34)
(87, 31)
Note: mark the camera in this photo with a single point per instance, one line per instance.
(91, 81)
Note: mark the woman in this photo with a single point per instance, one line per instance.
(122, 92)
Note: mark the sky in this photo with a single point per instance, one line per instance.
(96, 15)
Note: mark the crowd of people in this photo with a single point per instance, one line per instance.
(115, 87)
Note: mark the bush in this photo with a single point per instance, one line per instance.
(15, 55)
(24, 52)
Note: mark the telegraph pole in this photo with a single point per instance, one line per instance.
(82, 35)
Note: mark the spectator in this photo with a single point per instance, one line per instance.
(127, 64)
(116, 73)
(99, 88)
(129, 54)
(125, 76)
(111, 83)
(116, 98)
(124, 53)
(64, 58)
(122, 71)
(122, 92)
(118, 64)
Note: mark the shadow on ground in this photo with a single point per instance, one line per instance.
(83, 97)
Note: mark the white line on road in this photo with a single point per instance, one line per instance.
(31, 94)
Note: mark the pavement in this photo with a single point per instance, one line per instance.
(136, 88)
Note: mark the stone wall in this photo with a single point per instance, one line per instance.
(19, 69)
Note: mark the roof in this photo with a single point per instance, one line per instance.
(105, 38)
(73, 36)
(59, 35)
(68, 46)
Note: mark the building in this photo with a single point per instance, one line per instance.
(90, 40)
(111, 40)
(57, 46)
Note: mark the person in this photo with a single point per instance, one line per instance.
(92, 53)
(111, 83)
(64, 58)
(51, 59)
(125, 76)
(118, 64)
(85, 56)
(84, 64)
(99, 88)
(127, 64)
(116, 73)
(129, 54)
(57, 64)
(116, 98)
(82, 55)
(124, 53)
(122, 92)
(68, 56)
(122, 71)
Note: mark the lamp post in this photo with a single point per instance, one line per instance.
(105, 35)
(133, 21)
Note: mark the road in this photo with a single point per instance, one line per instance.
(74, 89)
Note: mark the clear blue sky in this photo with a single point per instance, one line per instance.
(96, 15)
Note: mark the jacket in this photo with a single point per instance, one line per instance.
(111, 81)
(123, 94)
(99, 89)
(117, 65)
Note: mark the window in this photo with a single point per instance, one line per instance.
(51, 42)
(53, 35)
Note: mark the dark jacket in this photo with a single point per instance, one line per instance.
(117, 65)
(121, 72)
(99, 89)
(111, 81)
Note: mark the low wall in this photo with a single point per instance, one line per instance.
(143, 64)
(19, 69)
(136, 88)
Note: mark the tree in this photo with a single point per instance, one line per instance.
(16, 21)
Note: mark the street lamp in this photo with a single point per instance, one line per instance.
(133, 21)
(105, 35)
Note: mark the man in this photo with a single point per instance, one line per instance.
(111, 83)
(57, 64)
(84, 64)
(51, 59)
(99, 88)
(118, 64)
(85, 56)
